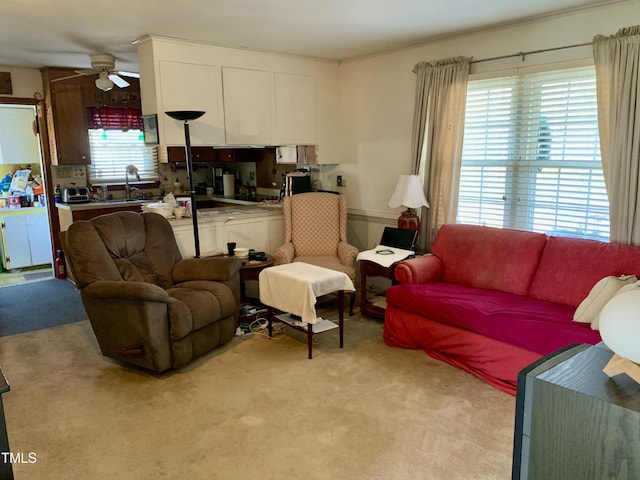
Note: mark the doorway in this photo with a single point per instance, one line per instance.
(25, 238)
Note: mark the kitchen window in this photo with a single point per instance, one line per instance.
(116, 139)
(531, 155)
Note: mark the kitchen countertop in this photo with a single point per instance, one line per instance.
(224, 214)
(116, 203)
(22, 211)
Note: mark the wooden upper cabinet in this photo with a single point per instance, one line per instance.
(199, 154)
(68, 138)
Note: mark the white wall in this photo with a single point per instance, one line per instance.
(377, 93)
(25, 82)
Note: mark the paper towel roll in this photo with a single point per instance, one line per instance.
(228, 182)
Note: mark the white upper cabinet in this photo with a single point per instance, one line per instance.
(188, 86)
(18, 139)
(247, 106)
(295, 109)
(250, 98)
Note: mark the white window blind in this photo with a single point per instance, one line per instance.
(113, 150)
(531, 155)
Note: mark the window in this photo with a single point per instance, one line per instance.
(113, 150)
(531, 155)
(116, 140)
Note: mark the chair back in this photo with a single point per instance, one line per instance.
(315, 222)
(125, 246)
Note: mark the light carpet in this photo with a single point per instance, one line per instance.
(255, 408)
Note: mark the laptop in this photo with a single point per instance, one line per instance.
(399, 238)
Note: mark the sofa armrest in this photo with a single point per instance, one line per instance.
(284, 253)
(424, 269)
(219, 269)
(123, 290)
(347, 253)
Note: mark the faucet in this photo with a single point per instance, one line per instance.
(130, 170)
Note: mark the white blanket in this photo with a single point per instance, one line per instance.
(293, 287)
(385, 256)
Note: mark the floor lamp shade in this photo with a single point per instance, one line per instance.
(186, 116)
(408, 193)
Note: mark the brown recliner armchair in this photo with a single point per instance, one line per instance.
(147, 306)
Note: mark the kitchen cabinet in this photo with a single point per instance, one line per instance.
(199, 154)
(18, 139)
(189, 86)
(295, 109)
(275, 227)
(262, 98)
(67, 214)
(69, 141)
(67, 96)
(25, 239)
(184, 238)
(263, 234)
(247, 106)
(247, 233)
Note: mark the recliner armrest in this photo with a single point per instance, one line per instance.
(220, 269)
(423, 269)
(123, 290)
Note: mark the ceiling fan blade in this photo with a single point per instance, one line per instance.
(67, 77)
(120, 82)
(128, 74)
(88, 71)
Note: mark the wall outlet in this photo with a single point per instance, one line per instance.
(340, 181)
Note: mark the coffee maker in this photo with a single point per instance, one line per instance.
(218, 187)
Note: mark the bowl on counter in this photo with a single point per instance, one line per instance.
(241, 252)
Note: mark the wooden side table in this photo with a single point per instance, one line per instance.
(372, 269)
(251, 271)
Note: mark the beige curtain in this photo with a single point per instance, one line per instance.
(617, 60)
(441, 95)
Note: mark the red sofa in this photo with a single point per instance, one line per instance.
(491, 301)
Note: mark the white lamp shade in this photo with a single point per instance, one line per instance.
(409, 193)
(620, 324)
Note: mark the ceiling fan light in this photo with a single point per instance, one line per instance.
(103, 82)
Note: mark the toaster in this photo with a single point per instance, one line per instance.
(75, 195)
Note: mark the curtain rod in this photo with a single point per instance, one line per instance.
(524, 54)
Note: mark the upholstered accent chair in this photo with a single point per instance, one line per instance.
(148, 306)
(316, 233)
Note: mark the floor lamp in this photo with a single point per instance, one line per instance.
(186, 116)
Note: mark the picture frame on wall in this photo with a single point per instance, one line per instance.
(150, 129)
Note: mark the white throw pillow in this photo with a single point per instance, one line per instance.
(589, 309)
(595, 325)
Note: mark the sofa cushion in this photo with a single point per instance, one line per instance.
(595, 325)
(604, 290)
(489, 258)
(535, 325)
(570, 267)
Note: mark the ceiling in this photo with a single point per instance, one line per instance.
(37, 33)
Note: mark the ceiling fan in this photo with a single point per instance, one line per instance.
(104, 65)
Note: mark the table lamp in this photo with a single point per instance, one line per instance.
(410, 194)
(186, 116)
(620, 331)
